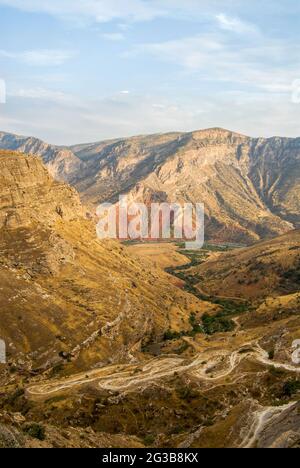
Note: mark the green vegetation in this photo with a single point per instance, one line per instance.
(195, 325)
(149, 439)
(37, 431)
(171, 335)
(182, 348)
(271, 354)
(56, 369)
(212, 247)
(217, 324)
(293, 275)
(232, 308)
(13, 398)
(290, 388)
(187, 393)
(220, 322)
(275, 372)
(195, 258)
(196, 328)
(211, 324)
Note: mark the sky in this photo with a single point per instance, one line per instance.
(79, 71)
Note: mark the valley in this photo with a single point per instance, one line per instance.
(149, 228)
(139, 344)
(199, 364)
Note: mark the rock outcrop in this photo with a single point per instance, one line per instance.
(28, 194)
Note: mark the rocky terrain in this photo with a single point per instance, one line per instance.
(250, 186)
(140, 346)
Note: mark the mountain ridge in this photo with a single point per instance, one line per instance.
(250, 186)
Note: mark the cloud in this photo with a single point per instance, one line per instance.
(190, 52)
(220, 69)
(44, 94)
(235, 24)
(262, 63)
(100, 11)
(39, 58)
(114, 37)
(96, 120)
(84, 12)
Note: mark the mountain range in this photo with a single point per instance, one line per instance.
(250, 186)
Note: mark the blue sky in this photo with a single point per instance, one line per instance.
(86, 70)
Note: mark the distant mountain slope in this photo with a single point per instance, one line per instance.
(250, 187)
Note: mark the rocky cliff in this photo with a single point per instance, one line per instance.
(28, 193)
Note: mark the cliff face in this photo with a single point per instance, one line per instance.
(275, 172)
(250, 187)
(28, 194)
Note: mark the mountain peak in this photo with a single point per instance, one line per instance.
(215, 132)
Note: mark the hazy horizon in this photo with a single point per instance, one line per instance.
(124, 137)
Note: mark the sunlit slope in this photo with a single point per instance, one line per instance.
(64, 295)
(270, 268)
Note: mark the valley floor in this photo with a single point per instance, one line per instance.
(229, 382)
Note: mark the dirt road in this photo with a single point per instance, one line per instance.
(207, 366)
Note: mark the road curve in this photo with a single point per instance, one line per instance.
(207, 366)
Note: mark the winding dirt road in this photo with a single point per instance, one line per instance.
(208, 366)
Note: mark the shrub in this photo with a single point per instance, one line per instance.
(149, 439)
(13, 398)
(172, 335)
(35, 430)
(271, 354)
(291, 387)
(217, 324)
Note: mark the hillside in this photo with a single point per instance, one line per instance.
(250, 186)
(270, 268)
(65, 294)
